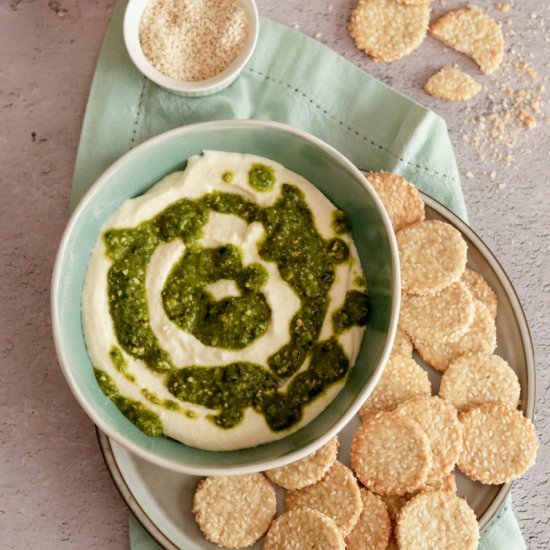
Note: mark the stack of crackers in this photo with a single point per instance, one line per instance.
(401, 490)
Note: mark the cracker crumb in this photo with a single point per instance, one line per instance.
(503, 6)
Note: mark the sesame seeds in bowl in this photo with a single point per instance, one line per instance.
(191, 47)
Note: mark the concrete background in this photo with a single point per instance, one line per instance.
(55, 491)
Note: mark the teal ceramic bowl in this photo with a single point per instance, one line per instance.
(134, 174)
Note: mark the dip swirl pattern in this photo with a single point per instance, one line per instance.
(298, 372)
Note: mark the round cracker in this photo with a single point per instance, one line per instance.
(472, 32)
(481, 290)
(388, 30)
(445, 483)
(391, 455)
(402, 379)
(337, 496)
(304, 528)
(306, 471)
(443, 317)
(432, 255)
(374, 529)
(402, 343)
(234, 511)
(400, 198)
(480, 337)
(500, 444)
(437, 519)
(477, 378)
(439, 419)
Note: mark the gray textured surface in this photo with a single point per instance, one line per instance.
(54, 489)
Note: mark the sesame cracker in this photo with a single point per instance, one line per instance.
(306, 471)
(480, 337)
(477, 378)
(337, 496)
(402, 379)
(472, 32)
(481, 291)
(400, 198)
(443, 317)
(373, 530)
(437, 519)
(402, 343)
(234, 511)
(391, 454)
(388, 30)
(452, 84)
(439, 419)
(304, 528)
(432, 255)
(500, 444)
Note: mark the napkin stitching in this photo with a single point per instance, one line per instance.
(349, 128)
(137, 118)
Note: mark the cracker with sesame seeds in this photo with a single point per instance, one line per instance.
(437, 519)
(443, 317)
(337, 496)
(452, 84)
(234, 511)
(400, 198)
(391, 454)
(472, 32)
(387, 30)
(481, 291)
(402, 343)
(304, 528)
(439, 419)
(480, 337)
(477, 378)
(432, 255)
(402, 379)
(308, 470)
(445, 483)
(374, 528)
(500, 444)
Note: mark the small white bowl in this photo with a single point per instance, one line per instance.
(132, 19)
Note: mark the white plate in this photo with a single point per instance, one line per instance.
(161, 500)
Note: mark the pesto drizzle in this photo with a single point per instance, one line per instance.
(306, 261)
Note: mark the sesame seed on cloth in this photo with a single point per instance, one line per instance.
(234, 511)
(500, 444)
(402, 343)
(472, 32)
(402, 379)
(432, 255)
(374, 528)
(337, 496)
(391, 454)
(443, 317)
(452, 84)
(437, 519)
(480, 337)
(304, 529)
(306, 471)
(400, 198)
(388, 30)
(477, 378)
(439, 419)
(192, 40)
(480, 290)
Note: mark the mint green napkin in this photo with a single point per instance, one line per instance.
(292, 79)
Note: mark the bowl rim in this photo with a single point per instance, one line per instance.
(257, 465)
(208, 86)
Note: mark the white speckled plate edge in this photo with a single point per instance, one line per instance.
(161, 500)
